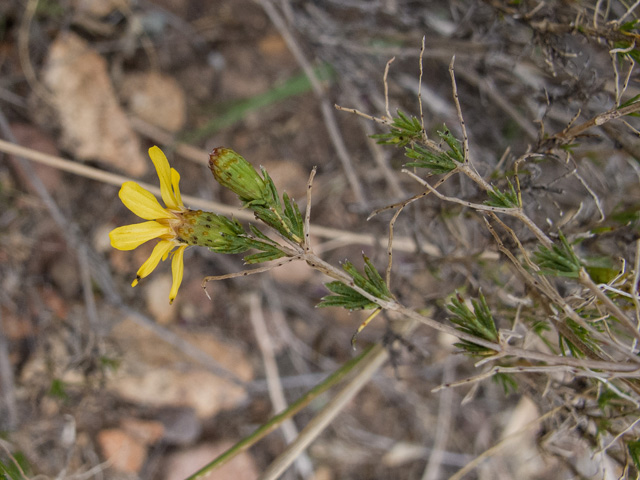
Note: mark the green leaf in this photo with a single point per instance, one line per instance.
(438, 161)
(346, 297)
(565, 344)
(109, 363)
(58, 389)
(602, 273)
(11, 469)
(358, 278)
(267, 248)
(423, 158)
(631, 101)
(232, 113)
(634, 452)
(624, 45)
(506, 199)
(273, 198)
(404, 130)
(293, 215)
(455, 145)
(265, 256)
(508, 383)
(606, 397)
(376, 281)
(628, 26)
(473, 349)
(236, 244)
(258, 233)
(559, 261)
(479, 323)
(627, 216)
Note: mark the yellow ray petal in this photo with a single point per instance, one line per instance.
(177, 268)
(175, 181)
(164, 174)
(142, 202)
(160, 250)
(129, 237)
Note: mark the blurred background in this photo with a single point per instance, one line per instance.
(101, 380)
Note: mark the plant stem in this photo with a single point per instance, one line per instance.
(370, 362)
(585, 279)
(294, 408)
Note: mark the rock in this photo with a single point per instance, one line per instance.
(156, 293)
(206, 393)
(181, 425)
(273, 45)
(122, 450)
(155, 98)
(146, 432)
(154, 373)
(94, 126)
(184, 463)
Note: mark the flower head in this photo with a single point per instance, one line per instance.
(165, 223)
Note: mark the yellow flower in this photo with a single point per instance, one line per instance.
(165, 223)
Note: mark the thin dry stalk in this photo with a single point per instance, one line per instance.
(246, 273)
(307, 213)
(345, 237)
(482, 83)
(276, 391)
(99, 272)
(381, 157)
(454, 89)
(475, 463)
(629, 11)
(319, 91)
(376, 358)
(516, 212)
(25, 57)
(585, 279)
(567, 136)
(443, 425)
(541, 284)
(386, 87)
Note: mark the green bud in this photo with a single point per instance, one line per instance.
(235, 173)
(209, 230)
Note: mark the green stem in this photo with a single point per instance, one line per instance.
(374, 358)
(272, 424)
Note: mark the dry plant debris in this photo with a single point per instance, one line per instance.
(491, 145)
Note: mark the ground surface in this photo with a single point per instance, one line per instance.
(101, 380)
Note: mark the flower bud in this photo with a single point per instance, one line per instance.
(235, 173)
(210, 230)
